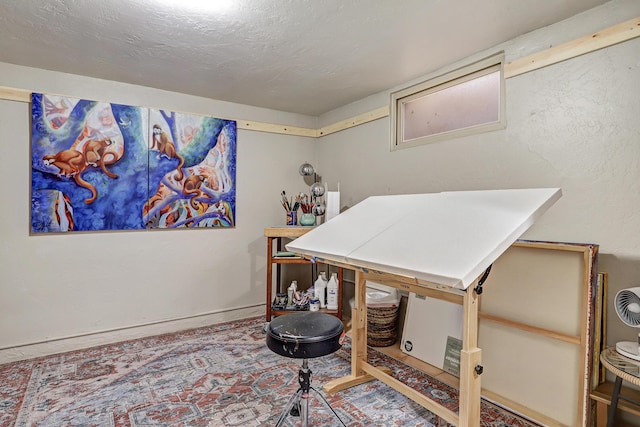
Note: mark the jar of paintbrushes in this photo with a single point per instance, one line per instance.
(307, 218)
(291, 208)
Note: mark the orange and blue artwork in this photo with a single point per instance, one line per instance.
(104, 166)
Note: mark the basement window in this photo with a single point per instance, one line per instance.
(463, 102)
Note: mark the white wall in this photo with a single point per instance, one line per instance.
(55, 286)
(574, 125)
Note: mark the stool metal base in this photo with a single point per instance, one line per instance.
(300, 400)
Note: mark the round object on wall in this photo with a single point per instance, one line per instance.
(316, 189)
(306, 169)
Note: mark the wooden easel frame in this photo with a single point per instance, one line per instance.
(470, 356)
(409, 247)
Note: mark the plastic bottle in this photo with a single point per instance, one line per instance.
(319, 289)
(291, 291)
(332, 292)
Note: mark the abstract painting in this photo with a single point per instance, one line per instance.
(104, 166)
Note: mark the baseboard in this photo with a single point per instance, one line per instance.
(62, 345)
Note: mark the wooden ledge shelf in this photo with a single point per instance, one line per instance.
(289, 260)
(275, 312)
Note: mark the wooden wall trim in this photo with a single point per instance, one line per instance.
(608, 37)
(12, 94)
(604, 38)
(367, 117)
(281, 129)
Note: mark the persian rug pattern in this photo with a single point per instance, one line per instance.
(221, 375)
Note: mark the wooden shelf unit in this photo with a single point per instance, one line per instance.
(277, 234)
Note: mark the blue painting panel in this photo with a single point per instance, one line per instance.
(192, 171)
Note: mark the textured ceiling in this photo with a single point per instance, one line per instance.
(302, 56)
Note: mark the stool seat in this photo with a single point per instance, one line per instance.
(305, 334)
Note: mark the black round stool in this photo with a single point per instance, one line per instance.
(304, 335)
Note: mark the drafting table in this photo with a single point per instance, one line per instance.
(436, 244)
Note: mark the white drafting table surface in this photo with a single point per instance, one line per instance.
(446, 238)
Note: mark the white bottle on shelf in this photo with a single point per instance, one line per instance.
(291, 292)
(332, 292)
(319, 289)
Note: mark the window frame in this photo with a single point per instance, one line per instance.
(458, 76)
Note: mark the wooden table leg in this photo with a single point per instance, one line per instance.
(601, 414)
(470, 363)
(278, 268)
(358, 341)
(269, 283)
(359, 327)
(340, 290)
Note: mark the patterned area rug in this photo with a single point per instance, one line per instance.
(222, 375)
